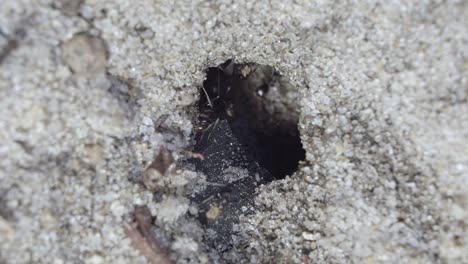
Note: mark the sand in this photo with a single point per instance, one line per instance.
(383, 117)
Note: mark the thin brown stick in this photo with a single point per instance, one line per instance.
(159, 122)
(195, 155)
(139, 232)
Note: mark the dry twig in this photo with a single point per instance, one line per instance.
(195, 155)
(159, 122)
(139, 232)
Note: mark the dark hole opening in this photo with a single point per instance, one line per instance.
(247, 134)
(266, 125)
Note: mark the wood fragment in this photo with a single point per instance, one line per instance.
(157, 169)
(143, 219)
(162, 161)
(139, 232)
(15, 38)
(195, 155)
(159, 122)
(12, 44)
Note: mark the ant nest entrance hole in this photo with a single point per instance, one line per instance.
(260, 107)
(246, 136)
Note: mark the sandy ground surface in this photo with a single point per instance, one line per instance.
(383, 90)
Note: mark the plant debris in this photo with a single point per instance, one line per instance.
(157, 169)
(160, 121)
(139, 232)
(12, 43)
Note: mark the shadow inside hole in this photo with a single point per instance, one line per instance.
(247, 133)
(238, 93)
